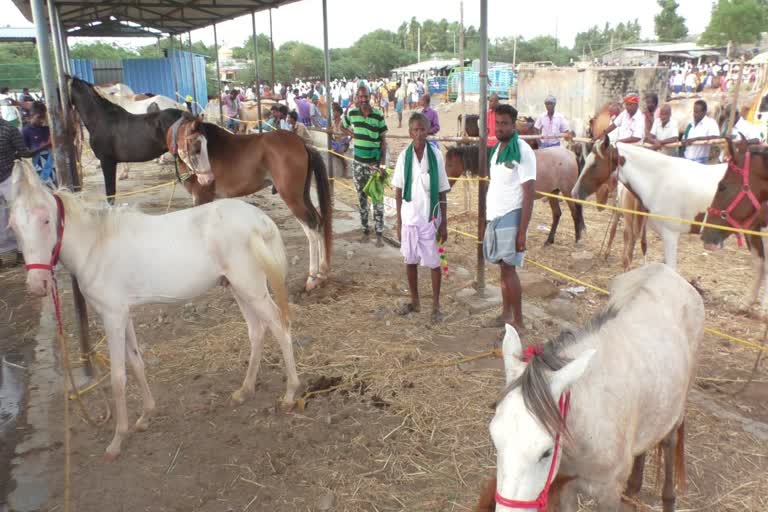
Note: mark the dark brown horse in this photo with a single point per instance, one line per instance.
(556, 171)
(524, 127)
(117, 135)
(228, 165)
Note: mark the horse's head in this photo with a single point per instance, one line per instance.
(528, 423)
(186, 138)
(738, 204)
(34, 220)
(598, 167)
(454, 163)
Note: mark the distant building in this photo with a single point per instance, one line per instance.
(655, 54)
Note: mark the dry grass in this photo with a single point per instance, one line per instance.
(432, 449)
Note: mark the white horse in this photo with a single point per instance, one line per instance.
(143, 106)
(117, 89)
(664, 184)
(123, 258)
(623, 381)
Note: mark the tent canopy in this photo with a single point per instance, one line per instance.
(166, 16)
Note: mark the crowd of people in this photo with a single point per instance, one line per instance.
(689, 78)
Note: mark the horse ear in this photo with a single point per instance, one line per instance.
(606, 142)
(565, 377)
(622, 161)
(512, 352)
(23, 178)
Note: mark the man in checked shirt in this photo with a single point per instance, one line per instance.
(11, 148)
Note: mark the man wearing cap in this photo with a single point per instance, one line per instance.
(551, 124)
(631, 122)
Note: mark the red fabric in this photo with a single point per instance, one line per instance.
(631, 99)
(491, 124)
(540, 503)
(531, 352)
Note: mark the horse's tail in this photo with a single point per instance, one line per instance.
(268, 249)
(316, 166)
(681, 476)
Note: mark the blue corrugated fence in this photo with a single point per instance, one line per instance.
(82, 69)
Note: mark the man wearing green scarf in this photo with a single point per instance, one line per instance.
(421, 184)
(512, 165)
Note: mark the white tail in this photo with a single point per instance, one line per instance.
(268, 249)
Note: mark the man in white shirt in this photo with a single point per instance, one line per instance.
(421, 185)
(509, 206)
(702, 128)
(745, 129)
(664, 131)
(630, 123)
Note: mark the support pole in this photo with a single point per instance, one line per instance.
(192, 70)
(58, 55)
(328, 99)
(58, 138)
(735, 104)
(218, 74)
(174, 74)
(272, 48)
(461, 69)
(483, 154)
(49, 90)
(256, 69)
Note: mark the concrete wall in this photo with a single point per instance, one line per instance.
(581, 93)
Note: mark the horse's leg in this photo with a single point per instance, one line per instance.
(109, 170)
(115, 325)
(266, 311)
(670, 247)
(644, 239)
(313, 279)
(137, 365)
(757, 275)
(577, 215)
(630, 238)
(556, 213)
(611, 234)
(635, 482)
(668, 494)
(256, 329)
(126, 169)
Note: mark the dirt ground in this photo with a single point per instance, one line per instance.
(406, 430)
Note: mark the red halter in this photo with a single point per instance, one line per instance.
(746, 191)
(59, 238)
(540, 503)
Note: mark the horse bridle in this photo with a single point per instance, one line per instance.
(540, 503)
(745, 192)
(59, 237)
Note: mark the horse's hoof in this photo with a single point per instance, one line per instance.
(142, 425)
(313, 282)
(111, 456)
(238, 397)
(286, 407)
(549, 242)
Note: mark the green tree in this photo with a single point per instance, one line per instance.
(298, 60)
(596, 40)
(198, 47)
(669, 25)
(101, 50)
(739, 21)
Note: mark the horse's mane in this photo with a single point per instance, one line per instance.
(534, 381)
(92, 94)
(106, 218)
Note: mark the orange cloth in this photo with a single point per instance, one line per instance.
(491, 124)
(631, 99)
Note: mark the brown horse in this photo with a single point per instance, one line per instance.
(747, 173)
(524, 127)
(228, 165)
(556, 171)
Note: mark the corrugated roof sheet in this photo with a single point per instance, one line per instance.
(16, 34)
(167, 16)
(668, 47)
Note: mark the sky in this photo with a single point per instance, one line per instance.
(302, 21)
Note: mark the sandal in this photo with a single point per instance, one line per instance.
(437, 317)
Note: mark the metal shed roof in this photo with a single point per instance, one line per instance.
(17, 34)
(168, 16)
